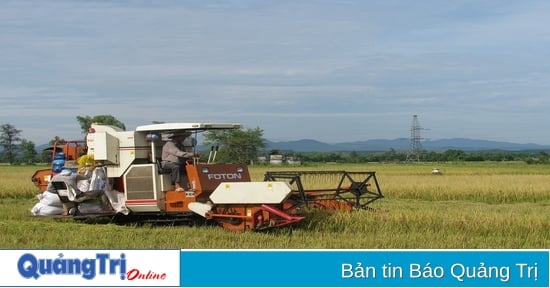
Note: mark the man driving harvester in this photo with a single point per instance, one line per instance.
(174, 157)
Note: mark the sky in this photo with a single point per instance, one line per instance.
(333, 71)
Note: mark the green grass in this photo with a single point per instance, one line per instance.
(472, 205)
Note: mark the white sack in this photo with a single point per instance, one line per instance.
(83, 185)
(49, 199)
(44, 210)
(99, 179)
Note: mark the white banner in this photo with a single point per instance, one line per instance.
(99, 268)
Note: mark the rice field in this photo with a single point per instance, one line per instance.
(472, 205)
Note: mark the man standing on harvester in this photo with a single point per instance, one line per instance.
(174, 157)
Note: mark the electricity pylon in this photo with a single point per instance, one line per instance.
(416, 147)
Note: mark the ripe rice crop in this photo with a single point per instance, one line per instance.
(471, 205)
(15, 181)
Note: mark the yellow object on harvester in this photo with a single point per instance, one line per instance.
(87, 161)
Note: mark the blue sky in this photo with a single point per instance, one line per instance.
(333, 71)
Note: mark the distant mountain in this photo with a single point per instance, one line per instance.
(401, 144)
(382, 145)
(301, 145)
(476, 145)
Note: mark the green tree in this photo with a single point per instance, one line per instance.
(236, 145)
(9, 138)
(354, 156)
(86, 122)
(29, 151)
(453, 155)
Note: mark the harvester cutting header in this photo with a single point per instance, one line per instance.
(128, 183)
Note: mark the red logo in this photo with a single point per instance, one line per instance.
(135, 274)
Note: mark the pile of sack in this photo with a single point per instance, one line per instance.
(48, 204)
(92, 191)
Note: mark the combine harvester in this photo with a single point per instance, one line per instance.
(138, 190)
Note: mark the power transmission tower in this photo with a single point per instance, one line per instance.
(416, 146)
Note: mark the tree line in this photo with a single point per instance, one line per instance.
(451, 155)
(245, 145)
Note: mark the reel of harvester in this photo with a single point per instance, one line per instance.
(331, 190)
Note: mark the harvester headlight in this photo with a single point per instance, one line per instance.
(205, 170)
